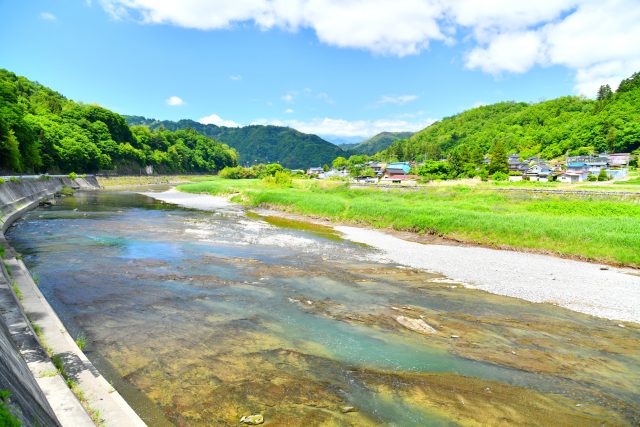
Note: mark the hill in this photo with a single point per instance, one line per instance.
(258, 143)
(549, 129)
(42, 131)
(376, 143)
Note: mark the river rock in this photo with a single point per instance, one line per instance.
(417, 325)
(252, 420)
(347, 409)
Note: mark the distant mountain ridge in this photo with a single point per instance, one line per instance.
(258, 143)
(376, 143)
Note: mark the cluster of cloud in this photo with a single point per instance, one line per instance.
(292, 96)
(174, 101)
(396, 100)
(598, 39)
(215, 119)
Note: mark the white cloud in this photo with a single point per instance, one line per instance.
(48, 16)
(397, 100)
(287, 98)
(235, 77)
(174, 101)
(598, 39)
(516, 53)
(322, 96)
(289, 111)
(215, 119)
(348, 128)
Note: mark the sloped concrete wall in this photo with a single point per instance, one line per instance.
(27, 401)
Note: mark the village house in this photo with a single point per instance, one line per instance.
(539, 172)
(397, 168)
(401, 179)
(314, 171)
(573, 177)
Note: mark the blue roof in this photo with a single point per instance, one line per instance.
(576, 164)
(399, 165)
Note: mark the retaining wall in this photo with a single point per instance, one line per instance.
(45, 400)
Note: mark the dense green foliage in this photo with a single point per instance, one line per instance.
(7, 419)
(599, 229)
(259, 144)
(376, 143)
(549, 129)
(42, 131)
(255, 171)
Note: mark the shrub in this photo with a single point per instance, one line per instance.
(281, 178)
(1, 181)
(238, 172)
(73, 175)
(592, 178)
(602, 176)
(499, 176)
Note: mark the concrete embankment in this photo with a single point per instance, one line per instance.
(39, 393)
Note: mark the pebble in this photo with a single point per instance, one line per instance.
(252, 420)
(347, 409)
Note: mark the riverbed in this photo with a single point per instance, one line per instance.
(202, 317)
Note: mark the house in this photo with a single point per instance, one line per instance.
(397, 168)
(619, 160)
(576, 166)
(539, 172)
(333, 173)
(377, 167)
(315, 171)
(401, 179)
(573, 177)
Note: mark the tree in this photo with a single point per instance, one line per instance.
(602, 176)
(498, 161)
(272, 168)
(604, 93)
(325, 167)
(340, 163)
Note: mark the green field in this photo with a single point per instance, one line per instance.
(602, 229)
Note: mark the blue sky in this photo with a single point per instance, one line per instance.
(338, 69)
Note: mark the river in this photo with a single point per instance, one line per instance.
(201, 317)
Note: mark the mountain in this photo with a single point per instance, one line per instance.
(258, 143)
(376, 143)
(548, 129)
(42, 131)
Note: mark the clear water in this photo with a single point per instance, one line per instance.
(200, 317)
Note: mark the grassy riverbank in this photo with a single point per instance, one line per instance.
(601, 229)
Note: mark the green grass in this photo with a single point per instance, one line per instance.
(599, 228)
(17, 290)
(81, 342)
(1, 251)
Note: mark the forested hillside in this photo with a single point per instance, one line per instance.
(259, 144)
(551, 128)
(377, 142)
(42, 131)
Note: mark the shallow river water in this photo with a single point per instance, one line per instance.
(199, 318)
